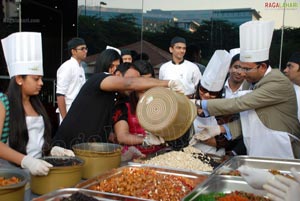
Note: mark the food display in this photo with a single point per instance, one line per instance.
(220, 187)
(272, 171)
(275, 166)
(189, 158)
(236, 196)
(8, 181)
(146, 182)
(61, 162)
(76, 194)
(66, 172)
(78, 197)
(12, 183)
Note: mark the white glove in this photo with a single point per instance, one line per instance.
(255, 177)
(35, 166)
(176, 85)
(207, 132)
(59, 151)
(151, 139)
(131, 153)
(284, 189)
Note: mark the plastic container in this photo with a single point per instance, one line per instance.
(165, 113)
(62, 175)
(14, 191)
(98, 157)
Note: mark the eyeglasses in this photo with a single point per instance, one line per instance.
(211, 93)
(246, 69)
(82, 48)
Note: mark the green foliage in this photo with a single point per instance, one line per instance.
(210, 36)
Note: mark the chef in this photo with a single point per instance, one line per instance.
(210, 87)
(26, 121)
(269, 112)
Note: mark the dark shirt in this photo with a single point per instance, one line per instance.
(90, 117)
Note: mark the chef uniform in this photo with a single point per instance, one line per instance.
(260, 141)
(24, 56)
(213, 80)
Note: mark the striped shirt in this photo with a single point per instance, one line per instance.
(5, 129)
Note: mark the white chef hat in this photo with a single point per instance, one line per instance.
(23, 53)
(255, 40)
(216, 70)
(113, 48)
(234, 52)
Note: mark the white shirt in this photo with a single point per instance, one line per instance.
(297, 90)
(229, 93)
(187, 72)
(70, 78)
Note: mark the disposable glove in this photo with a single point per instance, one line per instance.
(59, 151)
(151, 139)
(176, 85)
(207, 132)
(255, 177)
(284, 189)
(35, 166)
(131, 153)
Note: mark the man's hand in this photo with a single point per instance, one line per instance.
(284, 189)
(176, 85)
(255, 177)
(208, 132)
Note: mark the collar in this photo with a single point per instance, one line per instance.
(173, 62)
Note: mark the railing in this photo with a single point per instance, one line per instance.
(47, 93)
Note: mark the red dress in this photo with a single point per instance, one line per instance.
(136, 129)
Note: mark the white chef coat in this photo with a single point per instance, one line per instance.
(70, 78)
(297, 90)
(187, 72)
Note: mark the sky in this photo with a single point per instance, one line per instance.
(274, 10)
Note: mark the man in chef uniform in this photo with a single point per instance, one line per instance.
(269, 112)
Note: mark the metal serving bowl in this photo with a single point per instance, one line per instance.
(98, 157)
(14, 191)
(67, 172)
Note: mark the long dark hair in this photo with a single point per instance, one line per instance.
(105, 59)
(144, 67)
(18, 137)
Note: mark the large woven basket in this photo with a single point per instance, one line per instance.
(165, 113)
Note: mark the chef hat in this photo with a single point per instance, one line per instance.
(234, 52)
(113, 48)
(255, 40)
(23, 53)
(216, 70)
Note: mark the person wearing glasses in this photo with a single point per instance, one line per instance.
(70, 76)
(211, 87)
(292, 71)
(268, 113)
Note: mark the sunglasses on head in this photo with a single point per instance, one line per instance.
(212, 93)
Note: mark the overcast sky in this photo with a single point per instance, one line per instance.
(292, 14)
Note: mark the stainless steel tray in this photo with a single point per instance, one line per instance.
(102, 196)
(223, 184)
(197, 178)
(283, 165)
